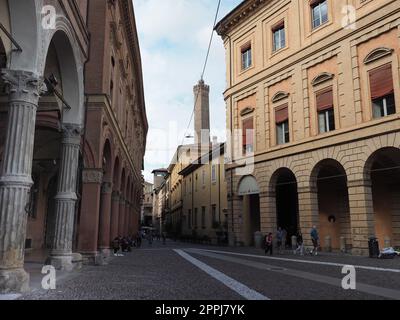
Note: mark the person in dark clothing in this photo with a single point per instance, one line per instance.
(315, 240)
(300, 244)
(269, 244)
(138, 240)
(124, 244)
(116, 245)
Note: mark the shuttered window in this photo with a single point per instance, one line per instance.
(382, 91)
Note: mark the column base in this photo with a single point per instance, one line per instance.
(360, 252)
(105, 254)
(92, 258)
(62, 263)
(14, 281)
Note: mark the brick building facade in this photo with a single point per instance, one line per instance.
(66, 141)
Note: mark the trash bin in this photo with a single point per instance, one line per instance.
(373, 246)
(258, 239)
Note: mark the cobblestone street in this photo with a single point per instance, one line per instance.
(191, 272)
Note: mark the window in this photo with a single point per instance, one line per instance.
(213, 174)
(279, 39)
(326, 114)
(195, 218)
(248, 136)
(189, 219)
(214, 214)
(282, 124)
(246, 57)
(319, 10)
(382, 91)
(203, 217)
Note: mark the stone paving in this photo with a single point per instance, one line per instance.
(157, 272)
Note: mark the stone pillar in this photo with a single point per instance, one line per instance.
(15, 179)
(89, 215)
(121, 222)
(127, 230)
(65, 200)
(361, 215)
(308, 212)
(268, 212)
(115, 198)
(105, 219)
(235, 221)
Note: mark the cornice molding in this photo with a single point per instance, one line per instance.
(242, 12)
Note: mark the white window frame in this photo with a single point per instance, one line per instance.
(320, 17)
(247, 60)
(283, 124)
(278, 45)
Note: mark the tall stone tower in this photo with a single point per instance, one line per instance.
(202, 113)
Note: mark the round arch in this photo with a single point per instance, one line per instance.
(329, 179)
(249, 191)
(283, 184)
(382, 172)
(71, 75)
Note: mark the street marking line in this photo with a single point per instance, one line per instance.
(231, 283)
(7, 297)
(361, 287)
(333, 264)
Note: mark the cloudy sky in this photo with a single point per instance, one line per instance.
(174, 36)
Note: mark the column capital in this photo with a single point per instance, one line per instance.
(92, 176)
(307, 189)
(106, 188)
(115, 195)
(23, 85)
(359, 183)
(72, 133)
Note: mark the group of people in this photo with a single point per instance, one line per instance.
(125, 244)
(281, 239)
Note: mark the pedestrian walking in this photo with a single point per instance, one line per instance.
(269, 244)
(279, 239)
(150, 237)
(138, 240)
(315, 240)
(164, 238)
(300, 244)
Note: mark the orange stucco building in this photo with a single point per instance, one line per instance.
(316, 83)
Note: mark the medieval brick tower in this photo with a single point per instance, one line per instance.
(202, 113)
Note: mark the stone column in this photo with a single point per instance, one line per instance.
(361, 215)
(128, 215)
(308, 212)
(88, 233)
(15, 180)
(121, 221)
(65, 200)
(268, 212)
(105, 219)
(115, 198)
